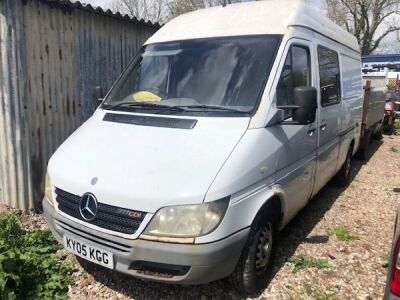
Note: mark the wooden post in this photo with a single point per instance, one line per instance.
(367, 91)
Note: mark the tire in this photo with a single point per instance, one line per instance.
(254, 268)
(379, 134)
(363, 152)
(342, 178)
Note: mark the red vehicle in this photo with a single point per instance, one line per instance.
(390, 116)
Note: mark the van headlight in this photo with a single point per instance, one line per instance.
(186, 221)
(48, 192)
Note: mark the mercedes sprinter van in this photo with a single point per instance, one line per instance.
(225, 124)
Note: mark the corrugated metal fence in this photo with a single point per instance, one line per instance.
(52, 53)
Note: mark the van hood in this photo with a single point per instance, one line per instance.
(144, 167)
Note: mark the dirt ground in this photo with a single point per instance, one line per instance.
(366, 208)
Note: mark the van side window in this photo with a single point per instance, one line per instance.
(296, 72)
(329, 75)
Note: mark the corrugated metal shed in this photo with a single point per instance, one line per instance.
(52, 53)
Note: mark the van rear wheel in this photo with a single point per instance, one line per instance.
(364, 150)
(253, 271)
(379, 134)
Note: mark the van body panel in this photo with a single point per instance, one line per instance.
(145, 168)
(281, 155)
(351, 89)
(251, 18)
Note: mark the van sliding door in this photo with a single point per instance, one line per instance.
(329, 112)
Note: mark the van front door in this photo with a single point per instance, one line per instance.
(328, 116)
(296, 156)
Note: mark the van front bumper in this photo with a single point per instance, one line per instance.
(157, 261)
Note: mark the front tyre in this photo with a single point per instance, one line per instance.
(342, 178)
(251, 275)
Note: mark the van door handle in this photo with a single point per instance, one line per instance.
(311, 132)
(322, 127)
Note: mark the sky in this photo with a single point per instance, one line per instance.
(102, 3)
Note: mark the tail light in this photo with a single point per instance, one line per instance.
(395, 279)
(389, 106)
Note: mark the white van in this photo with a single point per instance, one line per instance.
(221, 129)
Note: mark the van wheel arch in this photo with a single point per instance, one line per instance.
(273, 204)
(254, 268)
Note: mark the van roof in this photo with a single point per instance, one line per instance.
(251, 18)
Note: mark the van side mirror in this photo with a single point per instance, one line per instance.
(304, 106)
(305, 98)
(97, 95)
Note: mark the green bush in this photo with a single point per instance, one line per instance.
(29, 265)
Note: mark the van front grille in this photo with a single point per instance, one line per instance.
(108, 217)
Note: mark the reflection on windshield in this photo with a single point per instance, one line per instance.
(226, 73)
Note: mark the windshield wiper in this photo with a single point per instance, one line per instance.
(177, 108)
(203, 107)
(142, 105)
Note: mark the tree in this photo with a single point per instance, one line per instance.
(178, 7)
(149, 10)
(370, 21)
(163, 10)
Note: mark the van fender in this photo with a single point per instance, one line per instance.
(243, 209)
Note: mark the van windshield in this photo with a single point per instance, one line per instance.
(216, 76)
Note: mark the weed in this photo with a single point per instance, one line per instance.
(397, 127)
(325, 296)
(29, 265)
(342, 234)
(295, 296)
(385, 257)
(303, 262)
(394, 149)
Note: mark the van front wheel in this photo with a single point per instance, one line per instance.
(251, 275)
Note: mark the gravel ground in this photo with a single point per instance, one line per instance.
(366, 209)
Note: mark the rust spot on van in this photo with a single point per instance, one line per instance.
(154, 274)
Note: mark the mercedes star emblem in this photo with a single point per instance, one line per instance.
(88, 207)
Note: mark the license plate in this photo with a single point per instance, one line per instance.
(89, 252)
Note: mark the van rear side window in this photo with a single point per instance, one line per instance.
(329, 75)
(296, 72)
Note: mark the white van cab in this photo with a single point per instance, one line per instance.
(221, 129)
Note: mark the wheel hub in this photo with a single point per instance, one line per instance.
(264, 248)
